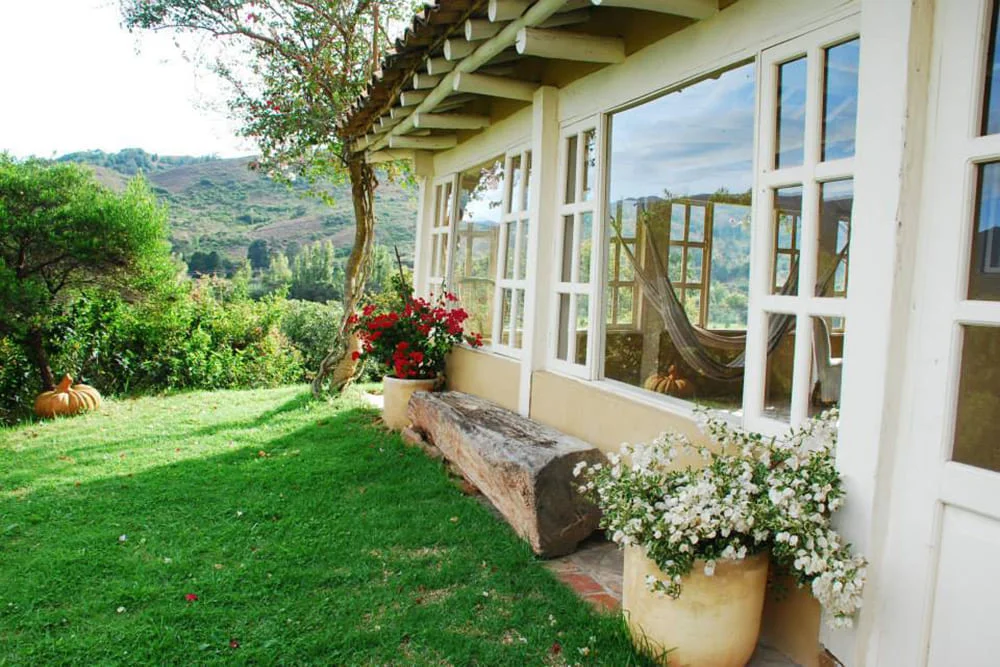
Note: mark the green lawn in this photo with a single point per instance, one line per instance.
(307, 534)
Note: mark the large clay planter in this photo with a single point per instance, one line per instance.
(396, 397)
(714, 622)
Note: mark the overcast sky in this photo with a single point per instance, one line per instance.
(72, 80)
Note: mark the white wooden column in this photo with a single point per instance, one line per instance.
(541, 236)
(423, 167)
(892, 104)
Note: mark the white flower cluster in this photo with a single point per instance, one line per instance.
(752, 494)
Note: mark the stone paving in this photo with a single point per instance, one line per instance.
(594, 571)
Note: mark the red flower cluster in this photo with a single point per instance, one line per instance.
(413, 340)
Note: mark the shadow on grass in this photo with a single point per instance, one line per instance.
(328, 543)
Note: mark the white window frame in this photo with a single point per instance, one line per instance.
(577, 286)
(518, 217)
(810, 175)
(437, 230)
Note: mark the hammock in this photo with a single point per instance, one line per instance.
(690, 341)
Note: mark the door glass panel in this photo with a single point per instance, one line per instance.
(505, 306)
(791, 121)
(787, 231)
(570, 170)
(582, 320)
(510, 230)
(836, 202)
(589, 163)
(780, 366)
(991, 108)
(562, 344)
(984, 267)
(515, 181)
(522, 261)
(527, 182)
(977, 423)
(586, 245)
(828, 363)
(567, 249)
(518, 319)
(840, 100)
(696, 224)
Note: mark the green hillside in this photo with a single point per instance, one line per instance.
(221, 205)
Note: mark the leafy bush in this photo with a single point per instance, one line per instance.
(312, 328)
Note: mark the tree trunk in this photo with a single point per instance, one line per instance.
(338, 367)
(35, 343)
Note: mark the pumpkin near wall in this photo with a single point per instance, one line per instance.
(670, 383)
(67, 399)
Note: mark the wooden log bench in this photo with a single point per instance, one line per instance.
(524, 468)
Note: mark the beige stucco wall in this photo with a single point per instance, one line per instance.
(606, 419)
(488, 375)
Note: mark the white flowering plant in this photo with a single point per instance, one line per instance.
(753, 494)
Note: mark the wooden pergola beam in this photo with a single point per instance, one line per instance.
(437, 66)
(692, 9)
(411, 98)
(494, 86)
(563, 45)
(506, 10)
(422, 81)
(434, 143)
(457, 48)
(480, 29)
(399, 113)
(450, 121)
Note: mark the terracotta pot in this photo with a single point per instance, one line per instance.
(396, 398)
(714, 622)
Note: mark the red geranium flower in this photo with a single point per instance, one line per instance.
(191, 597)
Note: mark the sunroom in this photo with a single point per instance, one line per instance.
(648, 205)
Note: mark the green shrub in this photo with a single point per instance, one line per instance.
(312, 328)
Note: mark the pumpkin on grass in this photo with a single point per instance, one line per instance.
(671, 384)
(67, 399)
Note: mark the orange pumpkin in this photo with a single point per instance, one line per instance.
(671, 383)
(67, 399)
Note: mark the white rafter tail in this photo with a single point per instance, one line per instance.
(506, 10)
(692, 9)
(454, 102)
(399, 113)
(480, 29)
(390, 155)
(569, 18)
(450, 121)
(423, 81)
(363, 143)
(436, 66)
(562, 45)
(411, 98)
(388, 121)
(436, 143)
(494, 86)
(457, 48)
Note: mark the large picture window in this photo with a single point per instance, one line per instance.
(679, 203)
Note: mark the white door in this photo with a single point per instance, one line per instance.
(942, 578)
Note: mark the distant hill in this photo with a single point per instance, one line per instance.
(219, 204)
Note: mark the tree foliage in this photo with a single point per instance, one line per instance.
(294, 67)
(60, 233)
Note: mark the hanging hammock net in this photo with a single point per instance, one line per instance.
(693, 342)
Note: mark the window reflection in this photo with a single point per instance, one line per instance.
(477, 242)
(787, 236)
(836, 202)
(991, 108)
(984, 267)
(977, 432)
(680, 176)
(791, 121)
(840, 100)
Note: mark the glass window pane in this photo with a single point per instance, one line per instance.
(505, 313)
(586, 245)
(984, 267)
(673, 161)
(477, 244)
(791, 121)
(518, 319)
(570, 170)
(567, 249)
(526, 200)
(522, 259)
(840, 100)
(582, 320)
(562, 344)
(510, 229)
(828, 363)
(449, 202)
(729, 273)
(692, 306)
(977, 422)
(836, 202)
(787, 231)
(696, 224)
(991, 108)
(589, 164)
(779, 367)
(515, 181)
